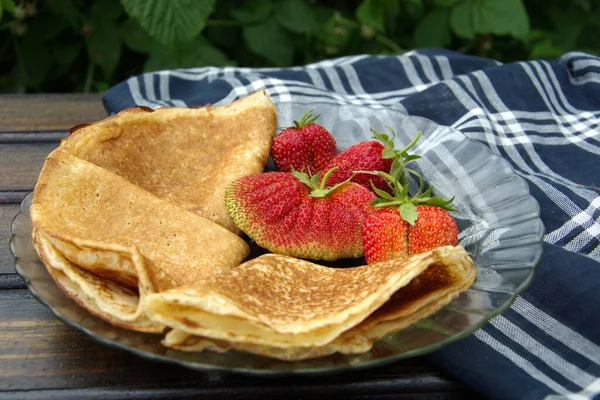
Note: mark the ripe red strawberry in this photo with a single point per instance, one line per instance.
(304, 147)
(290, 213)
(433, 228)
(403, 225)
(386, 235)
(374, 155)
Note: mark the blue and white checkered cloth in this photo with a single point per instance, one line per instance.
(544, 117)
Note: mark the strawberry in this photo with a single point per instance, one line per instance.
(373, 155)
(292, 214)
(403, 225)
(433, 228)
(386, 235)
(304, 147)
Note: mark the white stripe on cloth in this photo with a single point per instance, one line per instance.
(411, 73)
(136, 94)
(445, 67)
(149, 87)
(521, 362)
(428, 68)
(315, 76)
(557, 330)
(354, 80)
(165, 92)
(547, 93)
(588, 393)
(568, 371)
(595, 254)
(584, 219)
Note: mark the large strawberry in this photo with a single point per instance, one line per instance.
(386, 235)
(373, 155)
(304, 147)
(292, 214)
(402, 225)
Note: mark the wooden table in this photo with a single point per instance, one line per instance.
(41, 357)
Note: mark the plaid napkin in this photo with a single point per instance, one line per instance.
(544, 117)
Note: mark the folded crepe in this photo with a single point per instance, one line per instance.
(291, 309)
(108, 243)
(184, 155)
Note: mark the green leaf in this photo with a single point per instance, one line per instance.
(36, 61)
(382, 193)
(252, 11)
(9, 5)
(546, 50)
(414, 9)
(461, 20)
(411, 157)
(446, 3)
(499, 17)
(67, 10)
(379, 202)
(104, 47)
(569, 25)
(46, 27)
(136, 38)
(270, 41)
(372, 14)
(171, 21)
(106, 10)
(296, 16)
(388, 153)
(66, 53)
(408, 212)
(434, 29)
(196, 53)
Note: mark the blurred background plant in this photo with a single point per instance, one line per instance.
(88, 46)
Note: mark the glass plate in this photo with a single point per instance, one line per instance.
(499, 226)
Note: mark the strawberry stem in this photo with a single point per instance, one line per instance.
(396, 179)
(319, 189)
(326, 176)
(306, 119)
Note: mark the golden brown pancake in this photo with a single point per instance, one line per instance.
(110, 238)
(187, 156)
(292, 309)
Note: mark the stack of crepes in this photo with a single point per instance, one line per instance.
(291, 309)
(130, 221)
(134, 204)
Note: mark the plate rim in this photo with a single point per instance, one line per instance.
(318, 370)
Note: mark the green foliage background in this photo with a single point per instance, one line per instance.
(87, 46)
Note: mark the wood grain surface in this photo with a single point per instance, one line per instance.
(48, 112)
(43, 358)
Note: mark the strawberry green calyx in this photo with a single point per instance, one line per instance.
(387, 141)
(306, 119)
(400, 157)
(406, 204)
(318, 190)
(396, 179)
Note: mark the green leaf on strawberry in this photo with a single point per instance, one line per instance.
(402, 224)
(408, 212)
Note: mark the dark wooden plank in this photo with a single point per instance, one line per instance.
(11, 281)
(48, 112)
(12, 196)
(32, 137)
(43, 355)
(7, 213)
(21, 163)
